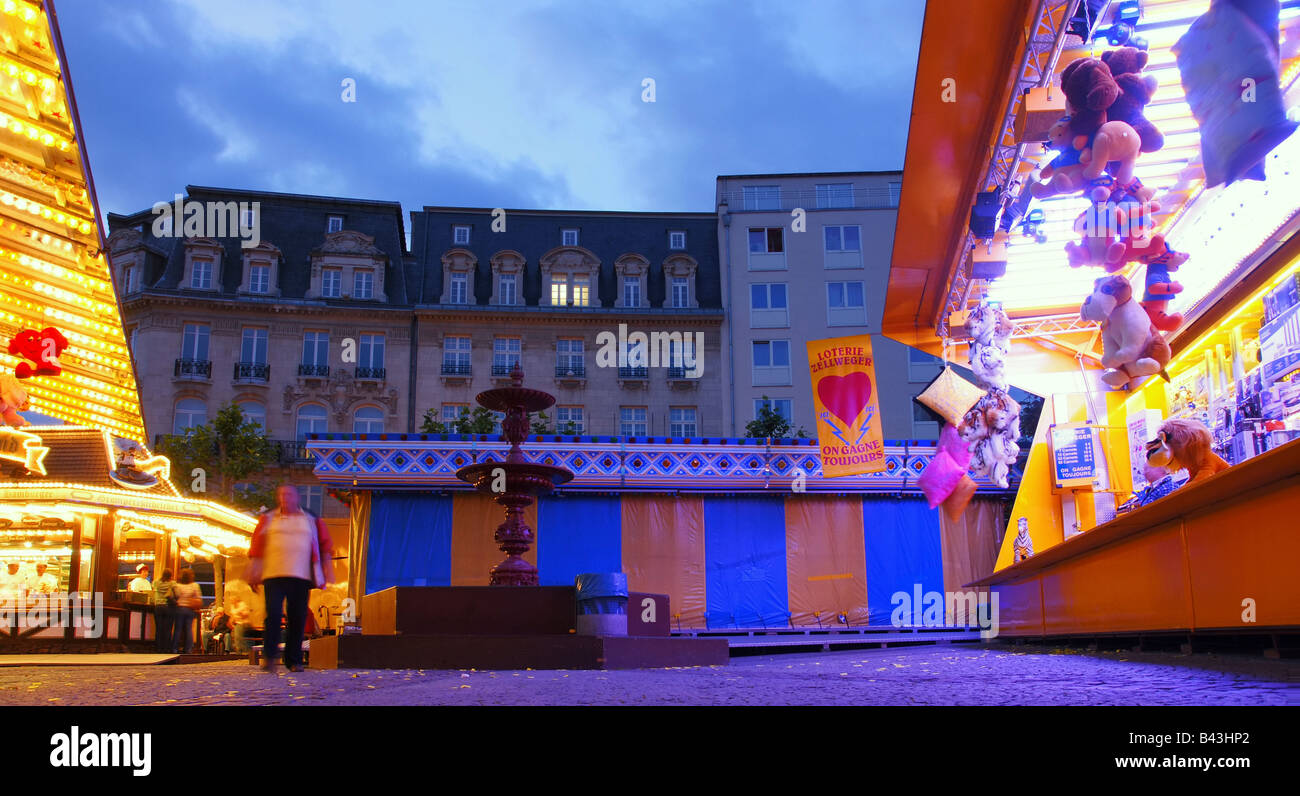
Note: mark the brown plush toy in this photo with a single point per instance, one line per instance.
(1089, 91)
(1185, 445)
(1135, 91)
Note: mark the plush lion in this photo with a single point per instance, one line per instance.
(1185, 445)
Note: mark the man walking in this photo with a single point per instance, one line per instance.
(290, 554)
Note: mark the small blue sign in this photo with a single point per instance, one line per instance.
(1073, 454)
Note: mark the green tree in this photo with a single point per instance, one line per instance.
(770, 424)
(540, 423)
(228, 450)
(480, 421)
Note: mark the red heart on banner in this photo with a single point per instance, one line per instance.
(845, 396)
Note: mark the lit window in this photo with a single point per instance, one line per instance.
(677, 240)
(335, 224)
(580, 294)
(681, 421)
(259, 278)
(331, 282)
(632, 421)
(569, 237)
(559, 294)
(363, 284)
(460, 234)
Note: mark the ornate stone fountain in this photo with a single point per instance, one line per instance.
(524, 481)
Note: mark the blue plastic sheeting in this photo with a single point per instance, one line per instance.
(410, 541)
(601, 584)
(903, 549)
(576, 534)
(744, 554)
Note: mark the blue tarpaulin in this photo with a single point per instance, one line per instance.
(744, 553)
(576, 534)
(410, 541)
(903, 549)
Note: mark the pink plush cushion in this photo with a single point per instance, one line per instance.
(940, 477)
(951, 443)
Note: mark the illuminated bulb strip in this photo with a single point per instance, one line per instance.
(47, 406)
(35, 208)
(39, 238)
(34, 132)
(21, 10)
(91, 384)
(42, 180)
(74, 336)
(59, 272)
(21, 490)
(61, 315)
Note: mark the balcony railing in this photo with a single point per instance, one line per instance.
(292, 451)
(318, 371)
(374, 374)
(573, 370)
(252, 371)
(633, 373)
(863, 198)
(502, 371)
(193, 369)
(681, 373)
(455, 368)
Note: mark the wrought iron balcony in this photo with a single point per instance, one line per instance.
(193, 369)
(680, 373)
(315, 371)
(374, 374)
(252, 371)
(633, 373)
(455, 368)
(573, 370)
(292, 451)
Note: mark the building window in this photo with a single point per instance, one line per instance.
(632, 421)
(766, 240)
(681, 292)
(363, 284)
(194, 342)
(311, 498)
(460, 234)
(453, 412)
(681, 421)
(782, 406)
(581, 297)
(331, 282)
(259, 278)
(922, 367)
(201, 278)
(762, 197)
(455, 355)
(569, 237)
(843, 239)
(506, 292)
(924, 426)
(254, 412)
(505, 354)
(311, 419)
(771, 360)
(677, 240)
(568, 420)
(768, 305)
(335, 224)
(631, 291)
(190, 412)
(895, 193)
(131, 278)
(569, 357)
(459, 288)
(370, 352)
(368, 420)
(845, 304)
(836, 194)
(559, 294)
(315, 349)
(252, 348)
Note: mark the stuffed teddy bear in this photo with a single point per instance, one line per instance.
(13, 399)
(1114, 150)
(1099, 227)
(1063, 174)
(1131, 346)
(1089, 90)
(1160, 286)
(1135, 91)
(43, 348)
(1185, 445)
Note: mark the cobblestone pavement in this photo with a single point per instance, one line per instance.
(941, 675)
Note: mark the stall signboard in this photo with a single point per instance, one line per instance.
(848, 409)
(1074, 454)
(23, 447)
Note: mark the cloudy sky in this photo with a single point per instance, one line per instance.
(488, 104)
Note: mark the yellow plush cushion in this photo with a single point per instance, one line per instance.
(950, 396)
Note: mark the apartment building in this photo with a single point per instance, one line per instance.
(806, 257)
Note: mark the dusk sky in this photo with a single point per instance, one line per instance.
(486, 104)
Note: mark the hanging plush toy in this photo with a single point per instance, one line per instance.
(1064, 175)
(1161, 287)
(1089, 90)
(42, 348)
(992, 427)
(1131, 346)
(1135, 91)
(13, 399)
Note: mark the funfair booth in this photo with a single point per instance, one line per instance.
(1114, 186)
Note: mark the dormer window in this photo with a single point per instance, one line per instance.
(331, 282)
(568, 237)
(132, 278)
(569, 278)
(260, 270)
(259, 278)
(632, 291)
(201, 276)
(459, 288)
(506, 290)
(335, 224)
(633, 273)
(677, 240)
(347, 264)
(679, 279)
(507, 278)
(460, 235)
(363, 284)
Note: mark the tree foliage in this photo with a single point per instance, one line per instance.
(229, 450)
(770, 424)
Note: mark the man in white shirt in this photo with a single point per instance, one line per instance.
(44, 582)
(13, 584)
(140, 583)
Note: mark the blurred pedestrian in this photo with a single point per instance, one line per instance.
(189, 600)
(164, 612)
(290, 554)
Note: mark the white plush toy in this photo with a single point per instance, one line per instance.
(1131, 346)
(13, 399)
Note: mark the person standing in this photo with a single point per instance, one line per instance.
(189, 599)
(290, 554)
(164, 612)
(140, 583)
(44, 582)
